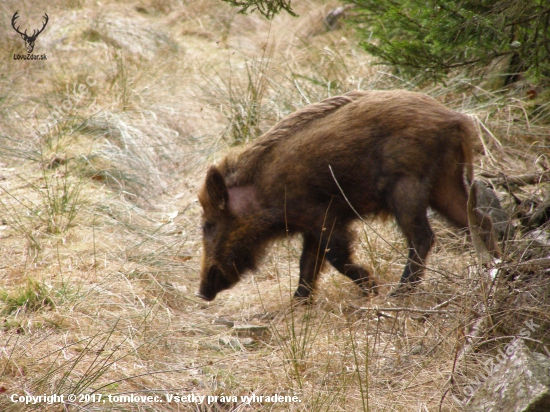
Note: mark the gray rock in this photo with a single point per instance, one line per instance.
(249, 330)
(487, 201)
(540, 215)
(223, 321)
(520, 383)
(332, 19)
(236, 343)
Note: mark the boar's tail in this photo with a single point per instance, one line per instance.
(469, 132)
(468, 158)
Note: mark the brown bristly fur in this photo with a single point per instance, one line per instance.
(277, 134)
(376, 153)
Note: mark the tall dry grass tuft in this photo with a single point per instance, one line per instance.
(99, 221)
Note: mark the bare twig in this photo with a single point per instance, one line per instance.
(533, 262)
(379, 310)
(519, 180)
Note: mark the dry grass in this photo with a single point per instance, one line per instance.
(99, 221)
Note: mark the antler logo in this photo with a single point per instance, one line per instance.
(29, 40)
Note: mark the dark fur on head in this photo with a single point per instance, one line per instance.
(233, 243)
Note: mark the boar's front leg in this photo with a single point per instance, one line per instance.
(340, 253)
(336, 247)
(311, 262)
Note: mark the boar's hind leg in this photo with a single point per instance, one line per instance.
(409, 204)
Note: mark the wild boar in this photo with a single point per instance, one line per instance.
(366, 153)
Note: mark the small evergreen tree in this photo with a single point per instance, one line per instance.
(432, 37)
(268, 8)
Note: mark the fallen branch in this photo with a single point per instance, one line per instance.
(434, 310)
(519, 180)
(404, 309)
(532, 262)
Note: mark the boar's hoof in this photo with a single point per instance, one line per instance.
(403, 289)
(369, 286)
(302, 300)
(303, 294)
(362, 278)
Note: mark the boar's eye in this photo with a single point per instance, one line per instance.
(208, 228)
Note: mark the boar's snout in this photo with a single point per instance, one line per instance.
(213, 282)
(202, 296)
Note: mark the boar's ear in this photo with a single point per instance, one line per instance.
(216, 188)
